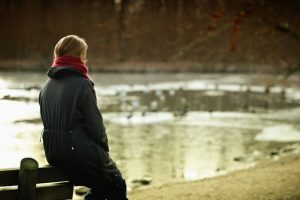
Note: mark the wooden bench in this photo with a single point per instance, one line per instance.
(31, 182)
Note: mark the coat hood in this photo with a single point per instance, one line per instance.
(57, 72)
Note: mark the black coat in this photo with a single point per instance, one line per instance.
(74, 136)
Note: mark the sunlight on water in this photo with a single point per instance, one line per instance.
(17, 110)
(20, 140)
(3, 84)
(191, 174)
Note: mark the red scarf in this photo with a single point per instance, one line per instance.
(71, 61)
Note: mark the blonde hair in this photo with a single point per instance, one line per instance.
(72, 45)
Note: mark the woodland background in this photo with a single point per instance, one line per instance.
(260, 36)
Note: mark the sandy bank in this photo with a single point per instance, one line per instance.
(270, 180)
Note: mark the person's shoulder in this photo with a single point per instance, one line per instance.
(87, 83)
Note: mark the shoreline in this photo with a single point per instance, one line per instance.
(152, 68)
(269, 179)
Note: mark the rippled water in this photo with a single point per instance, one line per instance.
(200, 125)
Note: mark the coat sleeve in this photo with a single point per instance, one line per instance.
(92, 118)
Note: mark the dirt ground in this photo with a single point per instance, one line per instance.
(270, 180)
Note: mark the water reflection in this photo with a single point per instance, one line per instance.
(180, 101)
(168, 152)
(19, 141)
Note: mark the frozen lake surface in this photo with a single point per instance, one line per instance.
(167, 127)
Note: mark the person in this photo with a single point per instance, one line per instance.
(74, 136)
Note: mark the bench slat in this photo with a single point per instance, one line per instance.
(55, 191)
(9, 177)
(62, 190)
(48, 174)
(11, 194)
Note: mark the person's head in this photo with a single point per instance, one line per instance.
(72, 45)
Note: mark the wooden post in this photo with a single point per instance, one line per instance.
(27, 179)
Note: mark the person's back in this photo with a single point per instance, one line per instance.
(74, 135)
(60, 100)
(60, 94)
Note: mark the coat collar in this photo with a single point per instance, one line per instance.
(59, 72)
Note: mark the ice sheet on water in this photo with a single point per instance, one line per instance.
(222, 119)
(215, 119)
(195, 85)
(279, 133)
(288, 115)
(19, 93)
(293, 93)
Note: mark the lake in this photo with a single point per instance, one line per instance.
(165, 128)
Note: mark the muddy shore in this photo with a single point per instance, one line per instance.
(269, 180)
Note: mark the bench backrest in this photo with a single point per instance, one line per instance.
(51, 183)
